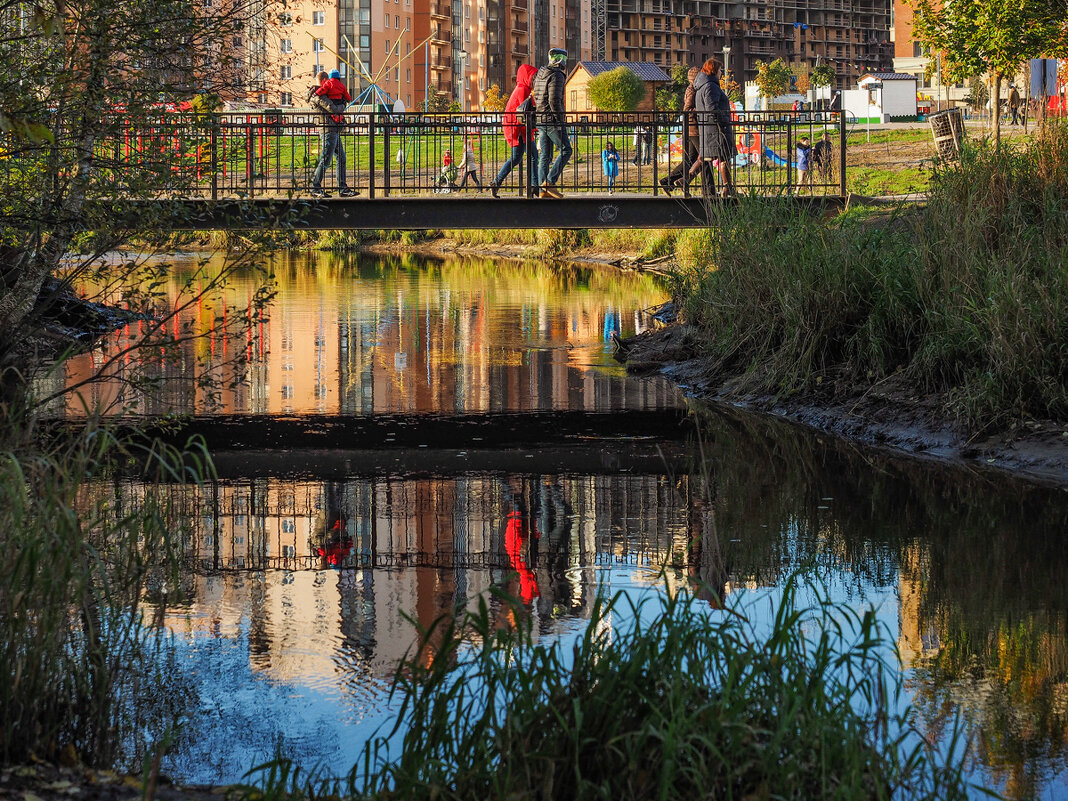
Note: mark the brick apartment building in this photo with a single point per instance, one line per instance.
(462, 47)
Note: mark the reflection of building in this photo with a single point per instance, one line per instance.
(917, 638)
(420, 547)
(462, 338)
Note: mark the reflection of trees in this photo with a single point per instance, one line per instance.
(978, 561)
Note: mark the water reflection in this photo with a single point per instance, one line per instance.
(976, 565)
(359, 335)
(301, 590)
(306, 582)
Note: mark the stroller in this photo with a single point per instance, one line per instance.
(446, 181)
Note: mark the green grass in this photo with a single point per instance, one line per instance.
(875, 181)
(964, 299)
(678, 701)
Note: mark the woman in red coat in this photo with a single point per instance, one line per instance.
(514, 123)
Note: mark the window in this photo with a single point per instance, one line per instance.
(318, 18)
(285, 19)
(318, 45)
(407, 23)
(261, 98)
(387, 47)
(238, 41)
(286, 45)
(574, 98)
(396, 74)
(365, 41)
(387, 21)
(408, 76)
(344, 69)
(285, 72)
(287, 98)
(467, 12)
(365, 16)
(396, 21)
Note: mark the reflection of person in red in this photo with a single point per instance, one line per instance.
(336, 546)
(515, 537)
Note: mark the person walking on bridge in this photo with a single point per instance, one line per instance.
(552, 122)
(515, 126)
(331, 124)
(714, 125)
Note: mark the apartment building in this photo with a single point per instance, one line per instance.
(853, 36)
(405, 48)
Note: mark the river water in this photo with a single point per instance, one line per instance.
(412, 434)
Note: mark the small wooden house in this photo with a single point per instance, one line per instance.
(577, 98)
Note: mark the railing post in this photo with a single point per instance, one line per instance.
(371, 154)
(213, 156)
(532, 167)
(656, 153)
(686, 167)
(248, 159)
(789, 152)
(385, 155)
(842, 153)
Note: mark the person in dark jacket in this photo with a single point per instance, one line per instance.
(714, 127)
(515, 126)
(331, 125)
(552, 122)
(681, 171)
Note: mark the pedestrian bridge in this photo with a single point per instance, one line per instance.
(419, 171)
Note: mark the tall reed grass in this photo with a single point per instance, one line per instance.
(83, 674)
(673, 702)
(964, 299)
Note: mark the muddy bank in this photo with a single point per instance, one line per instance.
(445, 246)
(886, 415)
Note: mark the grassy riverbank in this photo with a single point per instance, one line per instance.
(962, 301)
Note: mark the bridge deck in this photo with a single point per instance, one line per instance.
(585, 210)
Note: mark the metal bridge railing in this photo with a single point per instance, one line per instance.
(388, 155)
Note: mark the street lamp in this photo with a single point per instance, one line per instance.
(462, 58)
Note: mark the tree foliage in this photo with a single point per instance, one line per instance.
(616, 90)
(773, 78)
(995, 36)
(823, 75)
(494, 100)
(86, 91)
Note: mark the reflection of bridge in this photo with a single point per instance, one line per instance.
(255, 170)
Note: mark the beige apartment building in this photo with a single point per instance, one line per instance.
(405, 48)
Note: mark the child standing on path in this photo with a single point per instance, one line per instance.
(610, 164)
(469, 165)
(804, 166)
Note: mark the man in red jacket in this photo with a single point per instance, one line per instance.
(515, 127)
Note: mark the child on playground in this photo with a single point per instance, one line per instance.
(447, 180)
(804, 159)
(333, 88)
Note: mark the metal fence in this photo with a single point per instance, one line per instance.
(386, 155)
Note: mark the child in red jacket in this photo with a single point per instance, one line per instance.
(334, 89)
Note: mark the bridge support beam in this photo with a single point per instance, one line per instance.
(421, 213)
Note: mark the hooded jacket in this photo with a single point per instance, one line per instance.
(514, 123)
(549, 96)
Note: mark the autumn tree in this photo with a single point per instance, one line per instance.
(616, 90)
(772, 78)
(823, 75)
(995, 36)
(88, 90)
(494, 99)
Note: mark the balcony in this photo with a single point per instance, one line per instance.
(520, 49)
(519, 5)
(520, 26)
(440, 11)
(440, 62)
(440, 36)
